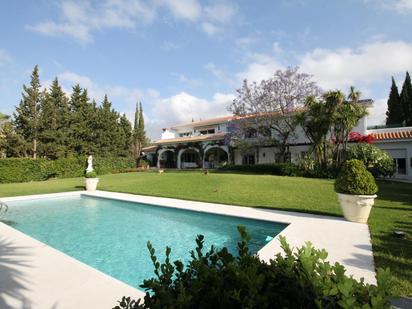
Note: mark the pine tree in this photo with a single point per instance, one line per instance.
(54, 121)
(27, 114)
(125, 136)
(82, 122)
(394, 114)
(108, 130)
(12, 144)
(406, 100)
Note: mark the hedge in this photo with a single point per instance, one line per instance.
(281, 169)
(27, 169)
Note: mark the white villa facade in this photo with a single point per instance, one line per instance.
(205, 144)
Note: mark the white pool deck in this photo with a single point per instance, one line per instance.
(34, 275)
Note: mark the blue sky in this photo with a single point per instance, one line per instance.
(184, 59)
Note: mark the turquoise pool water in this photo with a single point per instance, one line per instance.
(111, 235)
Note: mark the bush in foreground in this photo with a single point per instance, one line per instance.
(218, 279)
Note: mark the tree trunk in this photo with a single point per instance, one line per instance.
(34, 148)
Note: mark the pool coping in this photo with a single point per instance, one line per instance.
(346, 242)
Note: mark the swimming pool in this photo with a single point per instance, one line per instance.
(111, 235)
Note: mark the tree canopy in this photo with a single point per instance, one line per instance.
(50, 124)
(266, 110)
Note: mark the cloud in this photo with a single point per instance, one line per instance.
(189, 81)
(377, 115)
(183, 9)
(80, 19)
(260, 67)
(220, 12)
(400, 6)
(183, 107)
(210, 28)
(367, 67)
(4, 57)
(220, 74)
(168, 46)
(367, 64)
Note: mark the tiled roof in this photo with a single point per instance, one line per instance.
(209, 121)
(149, 149)
(392, 134)
(199, 138)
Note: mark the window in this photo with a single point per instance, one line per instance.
(248, 159)
(189, 156)
(208, 131)
(265, 132)
(250, 133)
(184, 134)
(401, 166)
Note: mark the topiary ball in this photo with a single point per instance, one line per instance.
(355, 179)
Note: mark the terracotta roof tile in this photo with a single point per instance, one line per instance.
(400, 134)
(199, 138)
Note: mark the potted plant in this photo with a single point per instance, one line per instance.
(356, 189)
(91, 181)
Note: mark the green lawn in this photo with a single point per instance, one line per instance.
(392, 209)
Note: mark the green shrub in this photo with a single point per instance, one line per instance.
(281, 169)
(217, 279)
(27, 169)
(354, 178)
(376, 160)
(91, 174)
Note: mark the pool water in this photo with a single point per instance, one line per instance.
(111, 235)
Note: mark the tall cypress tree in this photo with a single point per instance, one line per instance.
(142, 132)
(27, 114)
(406, 100)
(394, 114)
(135, 135)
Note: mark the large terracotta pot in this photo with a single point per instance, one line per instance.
(91, 184)
(356, 208)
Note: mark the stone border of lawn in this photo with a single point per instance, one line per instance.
(55, 278)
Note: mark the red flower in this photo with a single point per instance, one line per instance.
(359, 138)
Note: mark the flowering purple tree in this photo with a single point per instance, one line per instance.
(266, 111)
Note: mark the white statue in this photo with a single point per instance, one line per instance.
(89, 164)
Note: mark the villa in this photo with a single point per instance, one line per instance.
(206, 144)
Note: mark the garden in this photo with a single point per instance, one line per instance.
(390, 213)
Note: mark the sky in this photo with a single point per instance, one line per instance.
(184, 59)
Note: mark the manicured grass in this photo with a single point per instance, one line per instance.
(392, 210)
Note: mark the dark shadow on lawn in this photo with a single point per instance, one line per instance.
(395, 192)
(12, 282)
(395, 252)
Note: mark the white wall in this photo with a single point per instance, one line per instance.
(168, 134)
(398, 149)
